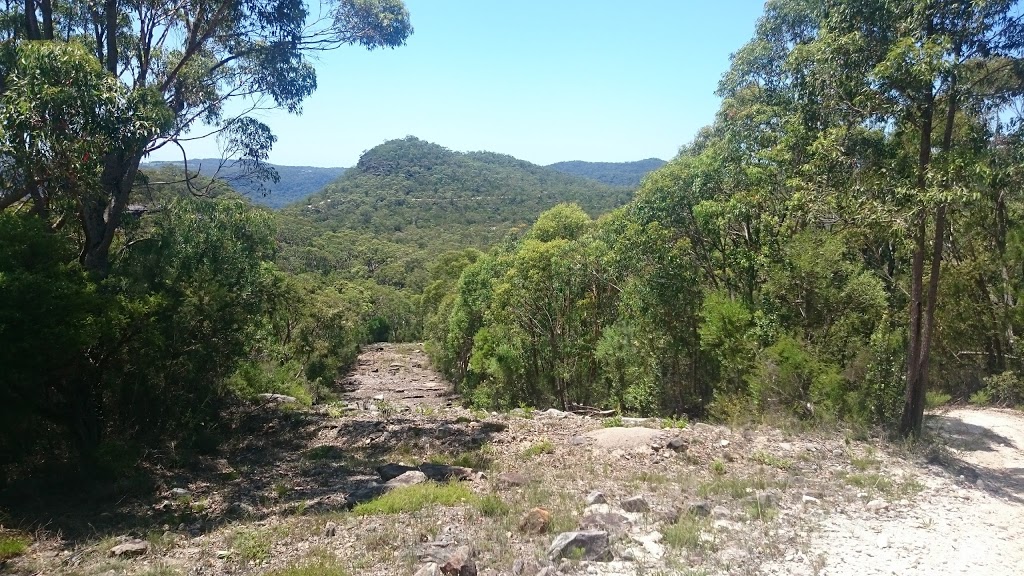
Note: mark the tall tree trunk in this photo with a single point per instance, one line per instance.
(101, 213)
(917, 374)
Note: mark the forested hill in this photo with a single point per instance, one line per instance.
(614, 173)
(295, 184)
(407, 189)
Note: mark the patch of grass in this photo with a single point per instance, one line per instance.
(281, 489)
(161, 570)
(482, 459)
(864, 463)
(415, 498)
(13, 545)
(763, 512)
(613, 422)
(981, 398)
(428, 411)
(252, 545)
(936, 399)
(772, 460)
(542, 447)
(685, 534)
(674, 423)
(738, 487)
(321, 565)
(492, 506)
(874, 482)
(718, 468)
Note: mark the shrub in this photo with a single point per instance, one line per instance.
(1005, 389)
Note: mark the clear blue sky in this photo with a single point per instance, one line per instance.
(542, 80)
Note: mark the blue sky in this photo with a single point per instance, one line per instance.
(542, 80)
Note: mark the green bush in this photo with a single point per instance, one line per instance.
(1005, 389)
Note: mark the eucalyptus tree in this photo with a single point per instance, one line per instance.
(185, 69)
(894, 94)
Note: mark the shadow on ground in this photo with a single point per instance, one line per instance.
(280, 462)
(1003, 483)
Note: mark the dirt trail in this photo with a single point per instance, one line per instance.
(396, 374)
(969, 519)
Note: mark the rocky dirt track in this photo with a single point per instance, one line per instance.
(546, 492)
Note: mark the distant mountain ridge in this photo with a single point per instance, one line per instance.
(410, 190)
(296, 182)
(613, 173)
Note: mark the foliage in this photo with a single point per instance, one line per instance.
(1005, 389)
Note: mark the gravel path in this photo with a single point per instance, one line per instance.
(969, 519)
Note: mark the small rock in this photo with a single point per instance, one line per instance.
(699, 509)
(883, 541)
(512, 480)
(223, 554)
(729, 456)
(429, 569)
(808, 499)
(678, 444)
(278, 398)
(330, 530)
(597, 509)
(583, 545)
(578, 441)
(389, 471)
(409, 478)
(596, 497)
(130, 548)
(720, 512)
(445, 473)
(554, 413)
(179, 492)
(460, 563)
(723, 442)
(786, 446)
(766, 499)
(526, 567)
(611, 522)
(877, 505)
(536, 521)
(635, 504)
(548, 571)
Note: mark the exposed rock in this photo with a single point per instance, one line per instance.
(597, 509)
(883, 541)
(699, 509)
(526, 567)
(278, 398)
(512, 480)
(624, 438)
(877, 505)
(583, 545)
(808, 499)
(330, 530)
(179, 493)
(720, 512)
(635, 504)
(596, 497)
(444, 473)
(766, 499)
(435, 472)
(679, 444)
(429, 569)
(578, 441)
(130, 548)
(611, 522)
(389, 471)
(536, 521)
(409, 478)
(460, 563)
(651, 544)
